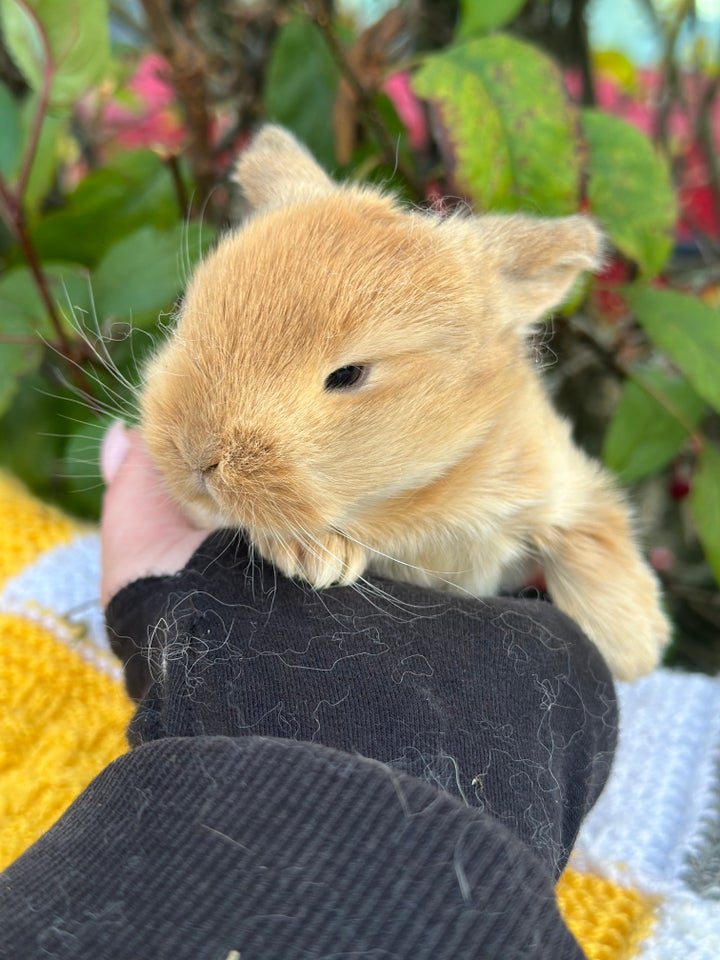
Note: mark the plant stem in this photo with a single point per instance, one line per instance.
(43, 102)
(705, 135)
(625, 372)
(577, 27)
(65, 347)
(41, 282)
(13, 200)
(7, 203)
(363, 98)
(15, 219)
(183, 202)
(188, 68)
(14, 216)
(670, 82)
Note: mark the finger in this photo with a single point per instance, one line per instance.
(136, 496)
(115, 446)
(143, 532)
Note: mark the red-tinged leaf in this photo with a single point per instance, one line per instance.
(512, 147)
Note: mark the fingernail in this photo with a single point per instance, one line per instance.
(115, 446)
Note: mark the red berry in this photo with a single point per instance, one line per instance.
(679, 488)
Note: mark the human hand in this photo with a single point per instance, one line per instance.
(143, 531)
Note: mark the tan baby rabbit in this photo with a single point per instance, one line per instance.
(349, 383)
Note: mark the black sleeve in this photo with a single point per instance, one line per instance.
(502, 703)
(214, 848)
(380, 772)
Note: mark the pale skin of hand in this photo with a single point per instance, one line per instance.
(143, 532)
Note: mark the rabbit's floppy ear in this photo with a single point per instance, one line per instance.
(276, 170)
(537, 260)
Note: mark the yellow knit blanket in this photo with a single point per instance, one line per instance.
(63, 713)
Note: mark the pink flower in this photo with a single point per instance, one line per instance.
(153, 120)
(409, 108)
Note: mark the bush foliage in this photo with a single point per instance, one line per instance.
(116, 138)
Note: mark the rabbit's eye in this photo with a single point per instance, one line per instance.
(344, 377)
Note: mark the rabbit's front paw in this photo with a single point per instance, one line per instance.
(629, 627)
(618, 606)
(329, 560)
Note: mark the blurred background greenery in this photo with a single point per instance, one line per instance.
(119, 122)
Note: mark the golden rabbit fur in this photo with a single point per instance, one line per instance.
(445, 464)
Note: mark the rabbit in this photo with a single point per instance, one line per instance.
(349, 383)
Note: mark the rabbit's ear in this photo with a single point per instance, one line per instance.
(276, 170)
(538, 260)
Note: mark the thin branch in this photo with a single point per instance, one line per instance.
(8, 203)
(188, 68)
(625, 372)
(181, 196)
(577, 25)
(363, 98)
(41, 282)
(43, 102)
(72, 352)
(705, 136)
(670, 81)
(15, 219)
(13, 199)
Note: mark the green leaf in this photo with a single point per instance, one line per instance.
(45, 160)
(81, 465)
(23, 310)
(687, 329)
(644, 435)
(134, 190)
(16, 122)
(85, 226)
(150, 199)
(29, 430)
(143, 272)
(16, 359)
(300, 87)
(479, 16)
(510, 122)
(68, 39)
(705, 505)
(630, 190)
(11, 139)
(21, 307)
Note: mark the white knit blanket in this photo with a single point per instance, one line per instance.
(656, 826)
